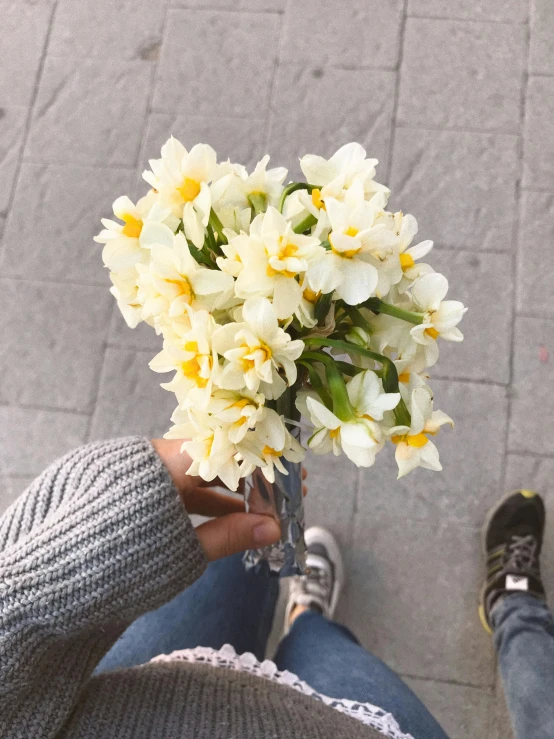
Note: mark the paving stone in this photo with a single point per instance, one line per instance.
(102, 126)
(31, 439)
(10, 489)
(358, 102)
(412, 598)
(536, 238)
(502, 727)
(541, 50)
(130, 29)
(12, 124)
(130, 400)
(538, 134)
(261, 6)
(458, 74)
(237, 139)
(217, 63)
(474, 10)
(360, 33)
(483, 282)
(460, 186)
(24, 30)
(121, 336)
(68, 203)
(332, 485)
(537, 473)
(462, 711)
(471, 455)
(533, 379)
(51, 340)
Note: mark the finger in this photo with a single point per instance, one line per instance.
(208, 502)
(236, 532)
(304, 490)
(304, 473)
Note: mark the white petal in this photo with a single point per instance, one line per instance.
(322, 414)
(359, 281)
(429, 291)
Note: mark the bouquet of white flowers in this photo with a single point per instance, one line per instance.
(278, 300)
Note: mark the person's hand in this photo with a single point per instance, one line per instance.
(231, 530)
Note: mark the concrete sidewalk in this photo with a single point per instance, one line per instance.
(457, 102)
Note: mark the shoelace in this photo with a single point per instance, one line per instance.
(317, 581)
(521, 554)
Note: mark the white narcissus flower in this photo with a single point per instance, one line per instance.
(360, 437)
(194, 360)
(267, 444)
(173, 279)
(208, 444)
(392, 335)
(182, 180)
(441, 316)
(256, 350)
(239, 411)
(124, 242)
(336, 175)
(413, 446)
(348, 268)
(274, 259)
(236, 187)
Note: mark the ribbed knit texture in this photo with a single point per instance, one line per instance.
(100, 538)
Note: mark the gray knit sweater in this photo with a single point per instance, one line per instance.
(100, 538)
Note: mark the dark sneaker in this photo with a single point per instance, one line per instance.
(319, 588)
(512, 541)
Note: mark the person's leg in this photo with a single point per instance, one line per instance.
(227, 605)
(513, 608)
(524, 639)
(329, 658)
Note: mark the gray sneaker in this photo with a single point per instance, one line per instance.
(320, 587)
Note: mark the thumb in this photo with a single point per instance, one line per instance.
(237, 532)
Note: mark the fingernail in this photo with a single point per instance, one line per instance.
(266, 533)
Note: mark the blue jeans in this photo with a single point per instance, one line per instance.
(228, 605)
(524, 639)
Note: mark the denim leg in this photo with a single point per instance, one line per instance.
(330, 659)
(524, 639)
(227, 605)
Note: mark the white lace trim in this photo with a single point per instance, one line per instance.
(226, 657)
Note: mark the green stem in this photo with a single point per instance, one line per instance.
(378, 306)
(317, 384)
(292, 187)
(357, 318)
(306, 223)
(342, 407)
(389, 375)
(322, 305)
(217, 226)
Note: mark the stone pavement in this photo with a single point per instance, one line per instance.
(457, 102)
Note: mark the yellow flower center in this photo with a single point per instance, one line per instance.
(132, 227)
(241, 403)
(310, 295)
(183, 288)
(273, 452)
(404, 377)
(316, 199)
(333, 433)
(285, 250)
(191, 346)
(348, 253)
(189, 189)
(191, 371)
(416, 440)
(432, 332)
(248, 363)
(406, 261)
